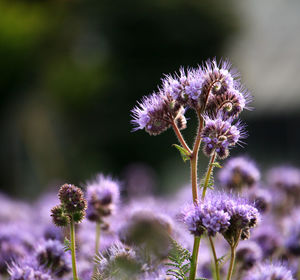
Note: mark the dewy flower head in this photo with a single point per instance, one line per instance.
(239, 172)
(102, 195)
(227, 214)
(156, 112)
(219, 135)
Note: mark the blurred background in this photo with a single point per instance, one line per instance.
(71, 71)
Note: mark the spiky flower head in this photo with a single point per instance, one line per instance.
(238, 173)
(51, 255)
(59, 217)
(148, 230)
(72, 198)
(205, 217)
(219, 135)
(222, 91)
(185, 88)
(156, 112)
(227, 214)
(27, 272)
(102, 196)
(269, 271)
(118, 262)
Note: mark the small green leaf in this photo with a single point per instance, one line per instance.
(183, 152)
(217, 164)
(67, 245)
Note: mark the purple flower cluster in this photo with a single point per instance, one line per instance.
(238, 173)
(213, 89)
(102, 196)
(231, 216)
(269, 271)
(27, 272)
(219, 134)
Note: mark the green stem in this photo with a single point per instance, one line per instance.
(194, 180)
(208, 174)
(97, 243)
(73, 249)
(232, 260)
(215, 257)
(194, 259)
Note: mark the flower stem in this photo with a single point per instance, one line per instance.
(73, 250)
(215, 257)
(97, 243)
(208, 174)
(194, 178)
(180, 137)
(194, 259)
(232, 260)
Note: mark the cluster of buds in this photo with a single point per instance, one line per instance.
(72, 206)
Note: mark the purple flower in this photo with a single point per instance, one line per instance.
(16, 242)
(286, 178)
(102, 195)
(219, 212)
(27, 272)
(248, 254)
(219, 135)
(239, 172)
(268, 238)
(205, 216)
(222, 91)
(50, 254)
(156, 112)
(269, 271)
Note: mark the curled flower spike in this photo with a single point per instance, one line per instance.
(27, 272)
(219, 135)
(156, 113)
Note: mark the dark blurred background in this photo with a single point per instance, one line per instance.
(71, 71)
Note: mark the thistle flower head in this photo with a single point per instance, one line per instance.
(50, 254)
(238, 173)
(72, 198)
(269, 271)
(102, 197)
(219, 135)
(156, 112)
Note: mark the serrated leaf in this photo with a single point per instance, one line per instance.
(217, 164)
(222, 259)
(67, 245)
(185, 155)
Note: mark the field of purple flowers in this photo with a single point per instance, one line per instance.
(230, 223)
